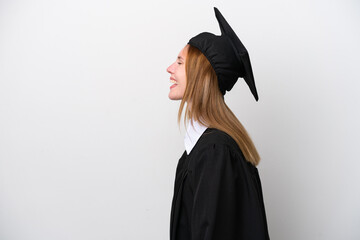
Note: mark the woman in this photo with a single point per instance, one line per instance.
(217, 192)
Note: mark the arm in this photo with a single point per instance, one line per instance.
(215, 195)
(226, 197)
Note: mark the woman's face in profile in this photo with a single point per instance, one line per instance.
(178, 76)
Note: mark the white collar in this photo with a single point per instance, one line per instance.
(192, 135)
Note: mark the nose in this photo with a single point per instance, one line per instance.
(170, 69)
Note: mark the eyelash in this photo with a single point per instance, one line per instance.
(179, 63)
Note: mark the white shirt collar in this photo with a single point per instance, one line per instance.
(192, 135)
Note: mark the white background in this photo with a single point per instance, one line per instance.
(88, 136)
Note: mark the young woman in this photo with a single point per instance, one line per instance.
(217, 192)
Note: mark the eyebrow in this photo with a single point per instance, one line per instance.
(179, 57)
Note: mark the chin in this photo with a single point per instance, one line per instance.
(171, 97)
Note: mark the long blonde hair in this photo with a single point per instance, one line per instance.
(208, 106)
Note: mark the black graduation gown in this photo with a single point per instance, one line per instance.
(217, 193)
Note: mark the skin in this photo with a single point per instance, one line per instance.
(177, 71)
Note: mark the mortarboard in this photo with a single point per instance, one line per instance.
(227, 55)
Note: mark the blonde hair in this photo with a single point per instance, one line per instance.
(207, 105)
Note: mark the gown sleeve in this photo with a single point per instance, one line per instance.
(225, 204)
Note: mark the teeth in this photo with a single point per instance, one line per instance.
(172, 81)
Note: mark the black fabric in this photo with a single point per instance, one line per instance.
(217, 193)
(227, 55)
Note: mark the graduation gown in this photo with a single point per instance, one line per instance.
(217, 193)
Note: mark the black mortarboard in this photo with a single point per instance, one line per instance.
(227, 55)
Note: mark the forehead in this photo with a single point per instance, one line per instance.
(183, 52)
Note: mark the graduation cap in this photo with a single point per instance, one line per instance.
(227, 55)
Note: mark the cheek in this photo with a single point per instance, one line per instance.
(183, 76)
(183, 85)
(182, 81)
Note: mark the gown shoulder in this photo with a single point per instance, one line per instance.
(220, 140)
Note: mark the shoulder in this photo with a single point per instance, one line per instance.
(217, 151)
(216, 142)
(216, 138)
